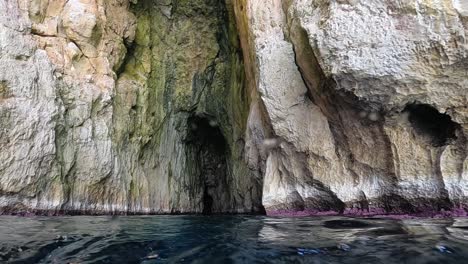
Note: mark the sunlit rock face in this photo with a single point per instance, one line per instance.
(206, 106)
(367, 101)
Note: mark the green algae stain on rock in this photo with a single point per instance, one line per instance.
(4, 91)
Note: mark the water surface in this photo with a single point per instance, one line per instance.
(231, 239)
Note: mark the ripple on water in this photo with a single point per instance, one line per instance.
(345, 224)
(231, 239)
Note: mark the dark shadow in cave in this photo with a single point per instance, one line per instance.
(210, 150)
(427, 121)
(207, 202)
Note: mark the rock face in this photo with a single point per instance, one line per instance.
(368, 100)
(119, 107)
(209, 106)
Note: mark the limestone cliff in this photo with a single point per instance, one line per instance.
(116, 107)
(177, 106)
(367, 99)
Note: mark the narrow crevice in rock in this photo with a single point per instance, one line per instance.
(129, 55)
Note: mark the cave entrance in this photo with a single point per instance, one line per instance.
(210, 151)
(426, 121)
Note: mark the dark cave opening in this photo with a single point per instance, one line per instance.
(210, 151)
(206, 132)
(207, 203)
(427, 121)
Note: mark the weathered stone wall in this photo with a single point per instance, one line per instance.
(112, 107)
(367, 101)
(167, 106)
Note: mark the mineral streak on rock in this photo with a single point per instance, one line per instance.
(296, 107)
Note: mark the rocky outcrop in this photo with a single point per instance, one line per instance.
(367, 101)
(206, 106)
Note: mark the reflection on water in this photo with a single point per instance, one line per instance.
(231, 239)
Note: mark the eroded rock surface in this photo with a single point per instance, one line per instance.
(368, 99)
(206, 106)
(123, 107)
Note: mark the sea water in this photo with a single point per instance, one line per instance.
(231, 239)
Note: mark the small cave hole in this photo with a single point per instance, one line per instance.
(210, 148)
(426, 121)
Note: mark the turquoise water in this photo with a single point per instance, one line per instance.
(231, 239)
